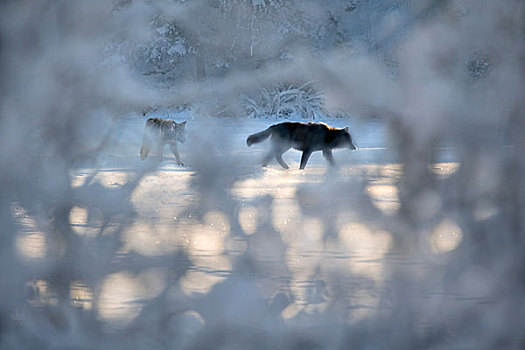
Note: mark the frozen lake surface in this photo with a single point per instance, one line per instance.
(298, 235)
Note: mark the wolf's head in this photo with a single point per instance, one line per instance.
(344, 139)
(178, 131)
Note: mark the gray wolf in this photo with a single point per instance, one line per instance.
(305, 137)
(162, 132)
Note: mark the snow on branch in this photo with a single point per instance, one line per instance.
(303, 102)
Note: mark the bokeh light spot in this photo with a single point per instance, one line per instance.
(117, 304)
(248, 219)
(445, 237)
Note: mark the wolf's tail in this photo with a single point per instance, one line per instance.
(259, 137)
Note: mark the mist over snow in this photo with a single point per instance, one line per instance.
(415, 240)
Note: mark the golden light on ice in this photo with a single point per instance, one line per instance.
(291, 311)
(208, 237)
(32, 246)
(445, 237)
(359, 239)
(198, 281)
(248, 218)
(78, 215)
(384, 197)
(85, 223)
(206, 246)
(313, 229)
(366, 245)
(117, 302)
(444, 169)
(286, 215)
(217, 221)
(30, 242)
(81, 296)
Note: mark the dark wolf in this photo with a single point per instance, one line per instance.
(162, 132)
(305, 137)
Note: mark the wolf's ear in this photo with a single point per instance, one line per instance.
(346, 129)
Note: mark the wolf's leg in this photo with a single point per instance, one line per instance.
(146, 146)
(277, 152)
(304, 158)
(281, 161)
(327, 154)
(271, 153)
(267, 158)
(175, 150)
